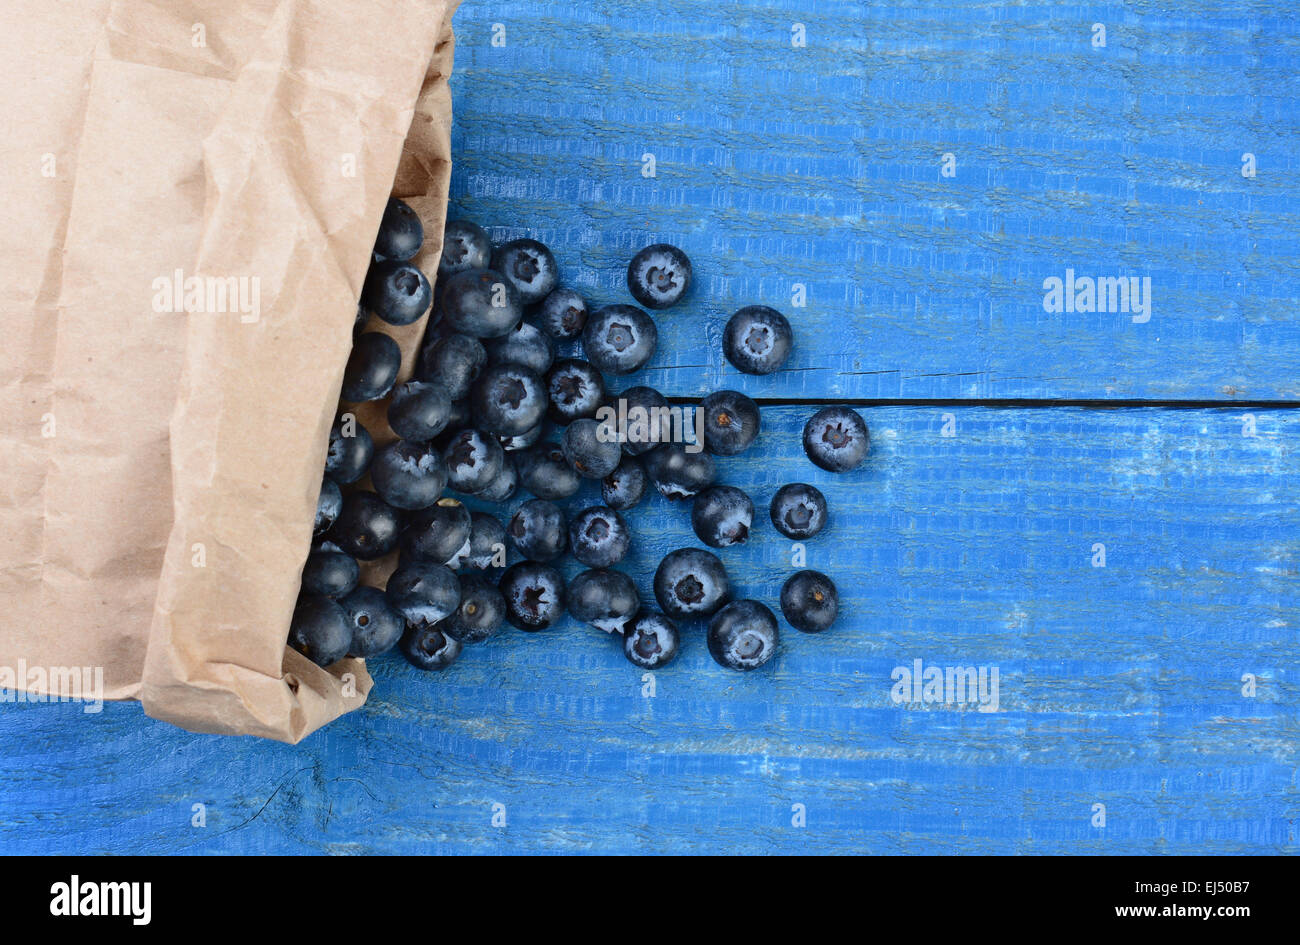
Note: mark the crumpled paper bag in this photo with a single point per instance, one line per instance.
(194, 190)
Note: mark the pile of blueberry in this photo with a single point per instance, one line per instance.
(476, 419)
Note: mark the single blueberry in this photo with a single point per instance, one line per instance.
(743, 635)
(798, 510)
(722, 516)
(650, 640)
(465, 245)
(690, 582)
(487, 545)
(534, 594)
(623, 488)
(419, 410)
(329, 573)
(428, 648)
(591, 448)
(647, 418)
(372, 367)
(400, 232)
(659, 276)
(320, 630)
(605, 599)
(529, 267)
(731, 422)
(438, 534)
(836, 439)
(328, 506)
(619, 339)
(376, 626)
(537, 529)
(757, 339)
(526, 346)
(677, 473)
(810, 601)
(544, 471)
(562, 314)
(473, 460)
(576, 390)
(480, 302)
(598, 537)
(480, 614)
(453, 361)
(350, 450)
(397, 292)
(367, 528)
(423, 593)
(508, 399)
(408, 475)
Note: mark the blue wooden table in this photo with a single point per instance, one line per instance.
(1098, 505)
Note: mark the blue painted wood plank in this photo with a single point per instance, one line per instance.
(820, 166)
(1118, 685)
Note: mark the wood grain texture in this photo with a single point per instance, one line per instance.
(1118, 685)
(821, 166)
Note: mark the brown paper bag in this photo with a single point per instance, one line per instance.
(162, 466)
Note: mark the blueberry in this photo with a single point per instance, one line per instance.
(526, 346)
(529, 438)
(328, 506)
(465, 245)
(400, 232)
(329, 573)
(428, 647)
(757, 339)
(320, 630)
(397, 292)
(487, 545)
(836, 439)
(650, 641)
(473, 460)
(376, 626)
(619, 339)
(590, 449)
(437, 534)
(576, 390)
(481, 611)
(545, 472)
(350, 450)
(743, 635)
(809, 601)
(372, 367)
(423, 593)
(480, 302)
(678, 474)
(419, 410)
(562, 314)
(537, 529)
(534, 594)
(623, 488)
(691, 582)
(367, 528)
(454, 361)
(648, 419)
(598, 537)
(722, 516)
(505, 484)
(731, 422)
(408, 475)
(659, 276)
(798, 510)
(605, 599)
(529, 267)
(507, 399)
